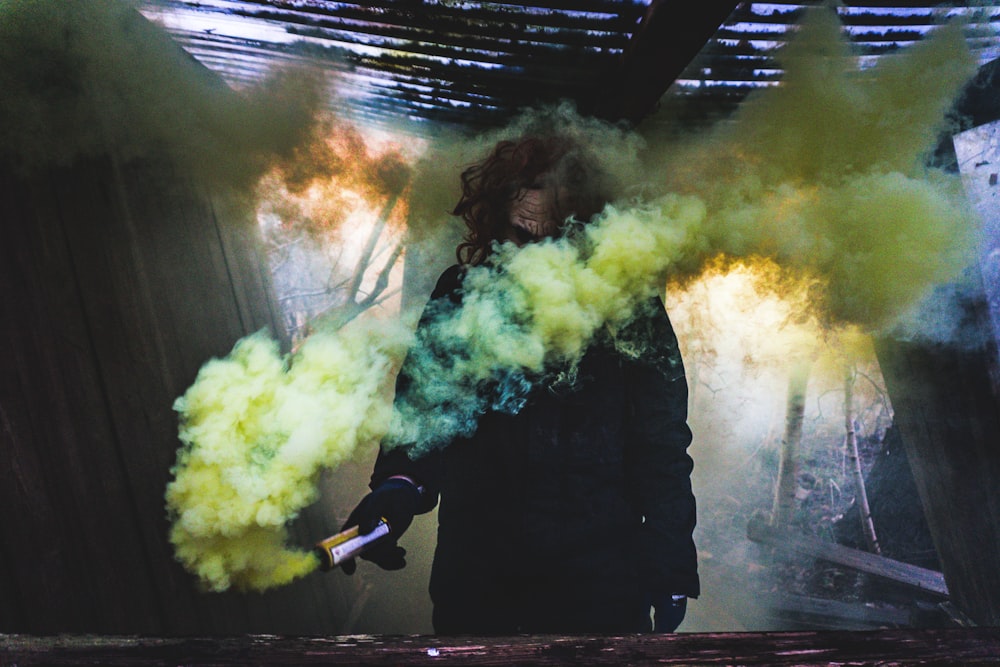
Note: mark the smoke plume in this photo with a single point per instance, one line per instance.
(826, 174)
(258, 430)
(533, 310)
(82, 79)
(822, 176)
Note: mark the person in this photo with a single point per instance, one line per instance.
(575, 513)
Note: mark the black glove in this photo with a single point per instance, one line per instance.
(395, 500)
(668, 612)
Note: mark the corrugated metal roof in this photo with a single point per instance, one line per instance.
(470, 63)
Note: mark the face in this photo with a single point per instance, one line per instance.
(533, 214)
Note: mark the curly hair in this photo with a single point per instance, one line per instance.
(489, 186)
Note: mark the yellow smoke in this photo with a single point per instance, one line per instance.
(258, 428)
(825, 174)
(88, 79)
(772, 312)
(533, 311)
(744, 323)
(839, 200)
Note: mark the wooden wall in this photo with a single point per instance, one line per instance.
(117, 281)
(947, 408)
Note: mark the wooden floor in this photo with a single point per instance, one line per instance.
(965, 646)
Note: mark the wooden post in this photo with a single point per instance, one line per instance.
(667, 39)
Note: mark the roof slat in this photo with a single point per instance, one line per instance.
(451, 16)
(450, 60)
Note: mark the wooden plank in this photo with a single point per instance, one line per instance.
(119, 280)
(670, 36)
(143, 374)
(920, 578)
(117, 582)
(965, 646)
(78, 565)
(27, 514)
(948, 413)
(611, 8)
(823, 614)
(468, 29)
(194, 315)
(526, 54)
(109, 312)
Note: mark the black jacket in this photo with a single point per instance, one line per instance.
(568, 515)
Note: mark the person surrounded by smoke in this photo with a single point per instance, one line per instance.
(567, 506)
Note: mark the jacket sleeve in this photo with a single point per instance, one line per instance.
(658, 465)
(425, 470)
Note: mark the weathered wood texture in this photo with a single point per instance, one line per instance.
(947, 411)
(118, 282)
(885, 647)
(811, 613)
(918, 578)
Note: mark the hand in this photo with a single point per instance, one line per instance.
(396, 500)
(668, 612)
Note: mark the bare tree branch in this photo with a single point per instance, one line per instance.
(366, 254)
(861, 495)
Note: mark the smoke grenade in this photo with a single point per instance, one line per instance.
(347, 544)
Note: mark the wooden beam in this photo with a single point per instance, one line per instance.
(965, 646)
(822, 614)
(919, 578)
(669, 37)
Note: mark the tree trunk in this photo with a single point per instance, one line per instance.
(788, 467)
